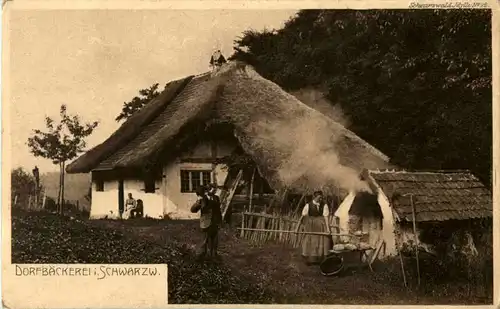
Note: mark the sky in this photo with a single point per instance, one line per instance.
(95, 60)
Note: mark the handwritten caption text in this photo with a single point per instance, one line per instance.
(450, 5)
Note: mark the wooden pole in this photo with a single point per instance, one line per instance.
(44, 200)
(35, 197)
(29, 201)
(269, 216)
(338, 197)
(59, 189)
(251, 191)
(283, 198)
(261, 188)
(398, 249)
(402, 268)
(15, 199)
(293, 232)
(62, 189)
(416, 238)
(242, 225)
(297, 209)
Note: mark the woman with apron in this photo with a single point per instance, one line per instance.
(130, 206)
(315, 219)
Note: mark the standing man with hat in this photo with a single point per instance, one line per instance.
(216, 218)
(210, 217)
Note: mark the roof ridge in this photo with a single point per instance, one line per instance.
(201, 74)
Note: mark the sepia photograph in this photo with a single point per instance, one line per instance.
(267, 156)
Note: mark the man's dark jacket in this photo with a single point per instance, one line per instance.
(210, 211)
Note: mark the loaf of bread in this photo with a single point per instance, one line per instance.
(339, 247)
(350, 247)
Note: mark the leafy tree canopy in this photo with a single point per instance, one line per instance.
(415, 84)
(62, 141)
(138, 102)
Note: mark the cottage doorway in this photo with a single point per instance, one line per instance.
(121, 197)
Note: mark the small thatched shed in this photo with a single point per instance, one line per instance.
(434, 200)
(174, 144)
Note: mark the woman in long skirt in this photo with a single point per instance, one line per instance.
(315, 219)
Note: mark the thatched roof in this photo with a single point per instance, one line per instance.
(436, 195)
(128, 131)
(277, 130)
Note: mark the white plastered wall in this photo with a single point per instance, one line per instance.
(104, 203)
(388, 228)
(167, 198)
(177, 204)
(152, 202)
(343, 213)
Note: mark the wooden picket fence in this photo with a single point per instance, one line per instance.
(30, 201)
(260, 228)
(33, 202)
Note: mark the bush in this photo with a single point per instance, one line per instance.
(50, 204)
(439, 279)
(22, 185)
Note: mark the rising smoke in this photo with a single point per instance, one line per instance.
(300, 135)
(314, 162)
(317, 100)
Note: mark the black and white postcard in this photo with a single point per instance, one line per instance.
(163, 153)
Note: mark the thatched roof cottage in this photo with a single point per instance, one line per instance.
(176, 142)
(442, 201)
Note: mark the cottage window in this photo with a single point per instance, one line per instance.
(206, 177)
(149, 185)
(195, 180)
(191, 180)
(99, 185)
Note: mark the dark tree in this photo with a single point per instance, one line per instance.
(138, 102)
(415, 84)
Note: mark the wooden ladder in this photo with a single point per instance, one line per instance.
(227, 196)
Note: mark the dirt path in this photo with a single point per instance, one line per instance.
(278, 268)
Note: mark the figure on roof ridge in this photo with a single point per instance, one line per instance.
(217, 60)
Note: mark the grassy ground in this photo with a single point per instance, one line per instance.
(246, 274)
